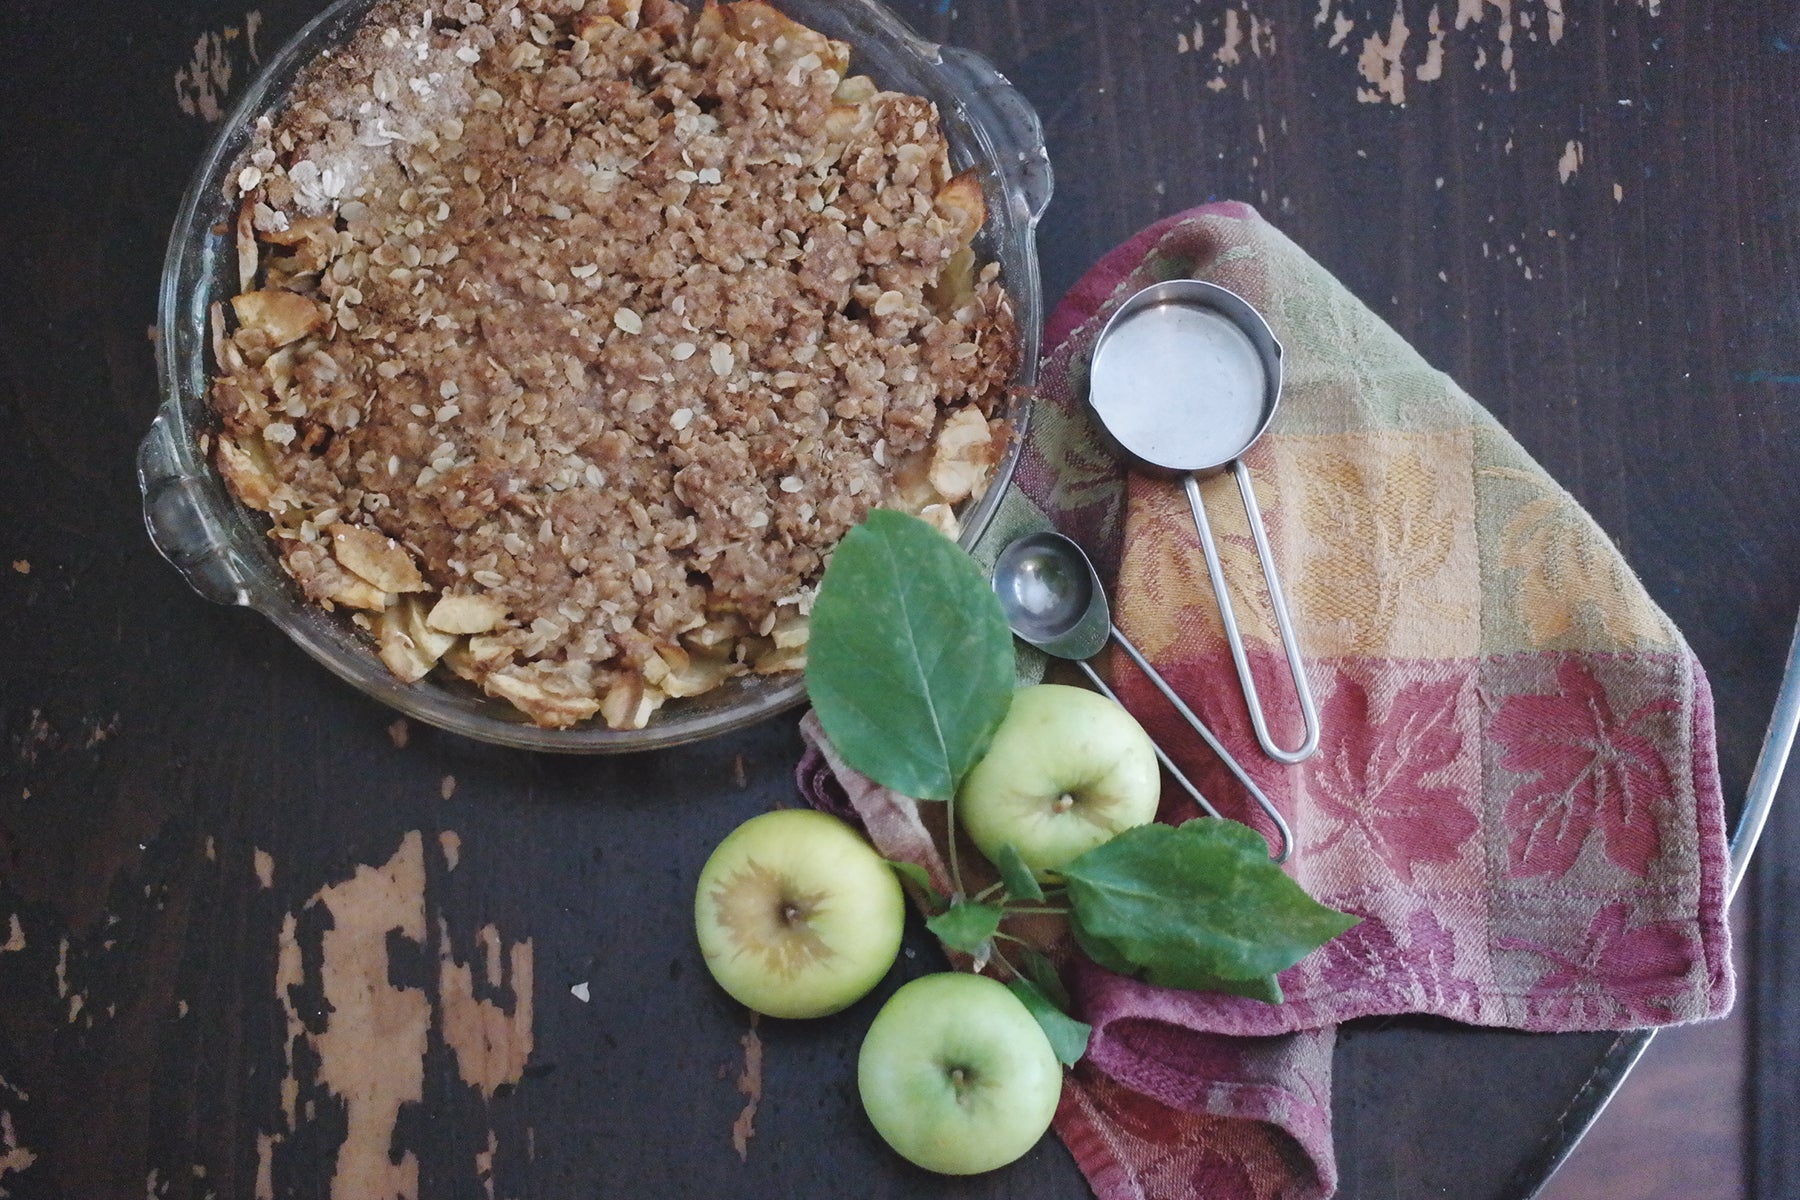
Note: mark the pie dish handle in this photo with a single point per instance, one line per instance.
(997, 107)
(181, 512)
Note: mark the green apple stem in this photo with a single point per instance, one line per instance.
(1045, 910)
(989, 890)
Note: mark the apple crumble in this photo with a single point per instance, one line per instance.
(571, 337)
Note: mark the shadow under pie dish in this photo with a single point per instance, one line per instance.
(542, 347)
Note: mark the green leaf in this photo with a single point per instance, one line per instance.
(1040, 970)
(965, 926)
(920, 878)
(1020, 883)
(1194, 905)
(909, 662)
(1265, 988)
(1068, 1037)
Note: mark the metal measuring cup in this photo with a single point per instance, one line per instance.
(1185, 377)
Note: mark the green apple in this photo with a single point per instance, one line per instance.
(1067, 770)
(797, 915)
(956, 1075)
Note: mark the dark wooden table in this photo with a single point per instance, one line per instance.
(1588, 215)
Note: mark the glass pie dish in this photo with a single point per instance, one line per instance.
(221, 547)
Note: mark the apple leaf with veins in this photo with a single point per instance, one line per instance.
(1021, 883)
(909, 662)
(1068, 1037)
(920, 878)
(1037, 967)
(1196, 905)
(1266, 988)
(965, 926)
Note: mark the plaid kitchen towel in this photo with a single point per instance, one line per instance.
(1516, 786)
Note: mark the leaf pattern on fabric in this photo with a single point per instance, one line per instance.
(1355, 963)
(1065, 468)
(1640, 970)
(1433, 961)
(1174, 1154)
(1387, 772)
(1565, 570)
(1586, 772)
(1079, 471)
(1382, 529)
(1211, 687)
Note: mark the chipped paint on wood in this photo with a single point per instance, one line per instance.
(484, 1164)
(750, 1084)
(357, 1034)
(491, 1043)
(489, 940)
(371, 1051)
(1570, 162)
(1380, 63)
(1493, 26)
(218, 59)
(15, 1158)
(1433, 66)
(1262, 37)
(1242, 35)
(1227, 54)
(290, 977)
(265, 867)
(265, 1167)
(450, 842)
(1341, 29)
(15, 938)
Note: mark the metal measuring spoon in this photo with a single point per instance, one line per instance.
(1185, 377)
(1053, 599)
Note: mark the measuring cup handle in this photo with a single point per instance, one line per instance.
(1284, 836)
(1309, 714)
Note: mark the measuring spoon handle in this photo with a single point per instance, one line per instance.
(1284, 835)
(1167, 762)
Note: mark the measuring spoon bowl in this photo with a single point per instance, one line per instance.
(1052, 596)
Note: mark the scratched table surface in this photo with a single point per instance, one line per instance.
(258, 939)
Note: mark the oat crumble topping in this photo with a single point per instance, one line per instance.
(572, 337)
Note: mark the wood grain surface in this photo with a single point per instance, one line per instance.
(259, 939)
